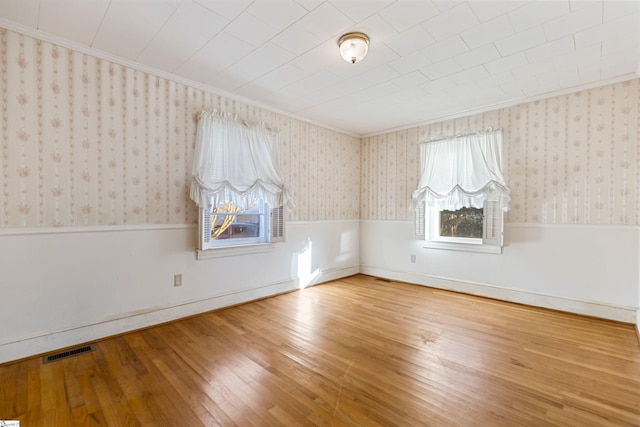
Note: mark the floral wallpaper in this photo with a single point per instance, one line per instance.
(571, 159)
(88, 142)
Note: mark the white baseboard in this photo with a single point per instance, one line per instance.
(604, 311)
(15, 350)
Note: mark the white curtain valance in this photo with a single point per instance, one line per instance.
(462, 171)
(235, 162)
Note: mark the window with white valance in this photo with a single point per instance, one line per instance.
(462, 187)
(237, 182)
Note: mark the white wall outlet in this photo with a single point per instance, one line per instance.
(413, 258)
(177, 280)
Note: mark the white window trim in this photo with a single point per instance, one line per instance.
(464, 247)
(263, 238)
(487, 244)
(228, 251)
(276, 229)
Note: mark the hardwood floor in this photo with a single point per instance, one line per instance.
(357, 351)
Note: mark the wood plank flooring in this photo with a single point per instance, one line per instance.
(354, 352)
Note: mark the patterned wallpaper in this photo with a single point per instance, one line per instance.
(571, 159)
(88, 142)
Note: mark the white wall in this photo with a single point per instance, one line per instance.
(60, 287)
(590, 270)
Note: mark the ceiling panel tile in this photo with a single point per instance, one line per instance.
(309, 4)
(409, 63)
(320, 98)
(23, 12)
(380, 90)
(376, 28)
(320, 80)
(281, 77)
(358, 10)
(618, 67)
(251, 30)
(513, 88)
(230, 9)
(477, 56)
(451, 22)
(470, 75)
(128, 27)
(168, 50)
(325, 21)
(579, 79)
(197, 19)
(76, 20)
(550, 50)
(521, 41)
(279, 15)
(591, 53)
(473, 94)
(537, 13)
(229, 80)
(186, 32)
(569, 71)
(437, 85)
(253, 90)
(501, 65)
(441, 69)
(536, 87)
(379, 75)
(618, 9)
(297, 39)
(576, 21)
(261, 61)
(488, 9)
(318, 57)
(623, 47)
(410, 41)
(625, 27)
(525, 71)
(445, 49)
(355, 85)
(579, 4)
(219, 53)
(444, 5)
(405, 14)
(410, 80)
(496, 29)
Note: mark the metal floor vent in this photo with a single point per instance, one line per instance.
(67, 353)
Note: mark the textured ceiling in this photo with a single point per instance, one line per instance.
(428, 60)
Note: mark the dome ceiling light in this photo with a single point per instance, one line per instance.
(353, 46)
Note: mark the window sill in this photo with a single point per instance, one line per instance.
(465, 247)
(234, 251)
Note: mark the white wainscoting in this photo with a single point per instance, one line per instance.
(590, 270)
(62, 287)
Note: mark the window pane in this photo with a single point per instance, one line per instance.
(465, 222)
(242, 226)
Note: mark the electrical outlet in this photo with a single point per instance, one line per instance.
(177, 280)
(413, 258)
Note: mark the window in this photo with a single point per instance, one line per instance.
(464, 224)
(237, 184)
(470, 229)
(229, 226)
(462, 196)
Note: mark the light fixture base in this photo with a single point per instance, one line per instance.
(353, 46)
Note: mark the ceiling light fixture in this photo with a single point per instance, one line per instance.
(353, 46)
